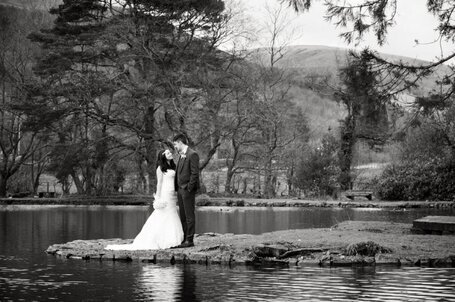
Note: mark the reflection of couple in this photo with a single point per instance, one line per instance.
(167, 283)
(176, 183)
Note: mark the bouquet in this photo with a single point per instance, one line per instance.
(158, 203)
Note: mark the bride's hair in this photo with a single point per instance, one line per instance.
(163, 163)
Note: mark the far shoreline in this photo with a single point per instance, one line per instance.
(207, 201)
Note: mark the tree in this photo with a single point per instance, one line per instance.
(138, 59)
(18, 143)
(366, 113)
(437, 113)
(242, 125)
(318, 171)
(280, 123)
(293, 153)
(426, 174)
(377, 16)
(72, 83)
(180, 71)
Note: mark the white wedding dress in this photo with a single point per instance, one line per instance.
(163, 228)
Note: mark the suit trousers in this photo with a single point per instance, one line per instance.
(186, 201)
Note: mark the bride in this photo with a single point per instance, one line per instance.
(163, 228)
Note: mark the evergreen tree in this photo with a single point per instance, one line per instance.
(363, 100)
(73, 80)
(117, 69)
(173, 70)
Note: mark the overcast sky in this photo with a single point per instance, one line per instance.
(412, 22)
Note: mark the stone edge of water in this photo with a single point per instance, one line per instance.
(261, 255)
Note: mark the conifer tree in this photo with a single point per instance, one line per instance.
(362, 98)
(72, 81)
(144, 58)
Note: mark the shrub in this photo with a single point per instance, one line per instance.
(318, 171)
(368, 248)
(418, 179)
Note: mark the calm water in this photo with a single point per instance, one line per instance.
(28, 274)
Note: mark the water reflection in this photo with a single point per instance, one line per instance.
(322, 284)
(188, 285)
(303, 284)
(256, 220)
(65, 223)
(94, 281)
(27, 273)
(159, 283)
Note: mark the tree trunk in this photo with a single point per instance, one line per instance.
(245, 186)
(227, 185)
(66, 186)
(289, 180)
(141, 183)
(345, 153)
(150, 147)
(78, 183)
(230, 167)
(3, 183)
(38, 171)
(88, 162)
(215, 143)
(202, 186)
(269, 189)
(257, 184)
(88, 178)
(101, 185)
(36, 183)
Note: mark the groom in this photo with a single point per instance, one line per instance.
(186, 184)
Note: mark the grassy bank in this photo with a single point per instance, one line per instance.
(205, 200)
(81, 200)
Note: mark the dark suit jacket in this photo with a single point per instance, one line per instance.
(187, 174)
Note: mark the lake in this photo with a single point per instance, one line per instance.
(28, 274)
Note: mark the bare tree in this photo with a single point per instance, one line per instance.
(277, 126)
(17, 143)
(242, 125)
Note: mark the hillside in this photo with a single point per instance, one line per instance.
(325, 60)
(321, 110)
(31, 4)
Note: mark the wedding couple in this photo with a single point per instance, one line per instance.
(176, 184)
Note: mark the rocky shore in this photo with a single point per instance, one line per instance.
(205, 200)
(347, 244)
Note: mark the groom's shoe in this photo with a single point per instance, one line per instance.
(184, 244)
(187, 244)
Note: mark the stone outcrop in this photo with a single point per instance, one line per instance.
(349, 243)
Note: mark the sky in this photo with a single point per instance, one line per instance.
(412, 22)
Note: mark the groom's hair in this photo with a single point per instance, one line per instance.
(180, 137)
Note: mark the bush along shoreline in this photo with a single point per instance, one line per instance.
(432, 179)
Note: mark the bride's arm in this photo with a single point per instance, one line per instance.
(159, 178)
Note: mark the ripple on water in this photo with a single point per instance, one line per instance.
(177, 283)
(316, 284)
